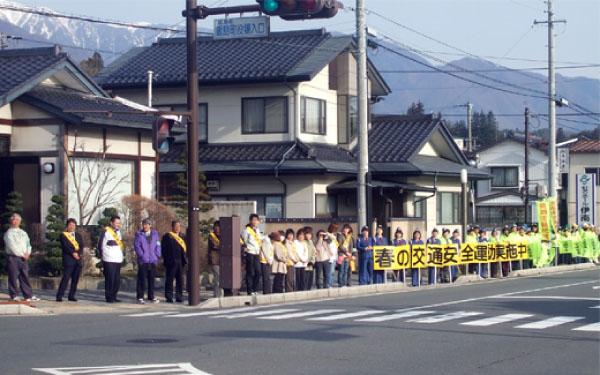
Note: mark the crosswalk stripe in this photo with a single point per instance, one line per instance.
(257, 313)
(213, 312)
(300, 314)
(594, 327)
(496, 320)
(399, 315)
(346, 315)
(550, 322)
(595, 307)
(445, 317)
(154, 313)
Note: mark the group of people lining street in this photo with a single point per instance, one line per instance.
(282, 261)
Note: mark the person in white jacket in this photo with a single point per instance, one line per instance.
(300, 266)
(18, 251)
(111, 248)
(253, 240)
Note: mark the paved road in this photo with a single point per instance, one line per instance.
(542, 325)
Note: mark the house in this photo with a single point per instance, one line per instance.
(61, 133)
(501, 200)
(278, 125)
(584, 158)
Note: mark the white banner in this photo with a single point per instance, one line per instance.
(585, 199)
(563, 160)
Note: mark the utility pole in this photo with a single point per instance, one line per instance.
(193, 233)
(150, 74)
(552, 179)
(469, 127)
(526, 182)
(363, 120)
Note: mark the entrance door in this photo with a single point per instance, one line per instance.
(22, 175)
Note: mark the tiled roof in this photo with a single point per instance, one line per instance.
(73, 106)
(395, 138)
(21, 66)
(586, 146)
(283, 56)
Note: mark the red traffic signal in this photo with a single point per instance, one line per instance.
(162, 136)
(300, 9)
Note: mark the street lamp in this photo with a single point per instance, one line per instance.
(464, 179)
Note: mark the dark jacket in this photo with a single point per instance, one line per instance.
(147, 252)
(68, 250)
(172, 252)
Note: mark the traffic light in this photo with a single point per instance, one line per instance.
(300, 9)
(162, 132)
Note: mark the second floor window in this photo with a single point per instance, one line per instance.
(505, 177)
(313, 116)
(202, 119)
(347, 118)
(448, 208)
(264, 115)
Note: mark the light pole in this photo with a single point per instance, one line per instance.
(464, 179)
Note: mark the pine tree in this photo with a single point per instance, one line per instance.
(52, 262)
(416, 109)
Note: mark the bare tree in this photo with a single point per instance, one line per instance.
(94, 180)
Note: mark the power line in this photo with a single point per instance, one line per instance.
(493, 70)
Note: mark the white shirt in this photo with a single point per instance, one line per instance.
(111, 253)
(252, 246)
(302, 253)
(333, 249)
(16, 242)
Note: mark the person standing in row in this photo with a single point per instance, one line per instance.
(111, 248)
(365, 257)
(174, 252)
(456, 241)
(322, 265)
(312, 257)
(18, 249)
(346, 243)
(214, 250)
(266, 261)
(280, 259)
(147, 249)
(253, 240)
(416, 272)
(332, 232)
(71, 244)
(431, 271)
(292, 259)
(379, 240)
(302, 259)
(399, 241)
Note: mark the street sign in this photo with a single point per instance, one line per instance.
(563, 160)
(241, 27)
(585, 199)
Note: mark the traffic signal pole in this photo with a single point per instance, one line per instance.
(363, 119)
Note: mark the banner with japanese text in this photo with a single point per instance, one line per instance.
(543, 218)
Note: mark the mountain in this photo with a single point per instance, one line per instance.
(438, 92)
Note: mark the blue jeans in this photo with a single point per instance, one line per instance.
(378, 277)
(365, 267)
(431, 276)
(416, 274)
(343, 273)
(331, 274)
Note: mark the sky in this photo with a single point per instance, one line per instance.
(502, 30)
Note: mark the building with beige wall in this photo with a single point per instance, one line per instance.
(61, 134)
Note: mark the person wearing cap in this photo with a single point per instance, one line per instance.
(416, 272)
(433, 240)
(147, 249)
(379, 240)
(444, 273)
(365, 244)
(457, 241)
(399, 241)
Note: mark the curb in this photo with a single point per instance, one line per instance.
(554, 269)
(20, 309)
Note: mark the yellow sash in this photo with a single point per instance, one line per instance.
(335, 242)
(179, 240)
(72, 240)
(215, 239)
(115, 237)
(253, 233)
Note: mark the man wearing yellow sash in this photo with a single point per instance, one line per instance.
(72, 248)
(111, 248)
(253, 241)
(174, 251)
(214, 248)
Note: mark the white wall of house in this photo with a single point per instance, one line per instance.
(5, 113)
(512, 154)
(50, 184)
(443, 184)
(577, 164)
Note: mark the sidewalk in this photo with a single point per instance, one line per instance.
(92, 301)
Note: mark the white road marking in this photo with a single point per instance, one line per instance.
(550, 322)
(346, 315)
(257, 313)
(594, 327)
(595, 307)
(213, 312)
(301, 314)
(596, 287)
(162, 368)
(496, 320)
(445, 317)
(400, 315)
(566, 298)
(154, 313)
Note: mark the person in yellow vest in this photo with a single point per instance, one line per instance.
(214, 249)
(471, 238)
(111, 248)
(280, 259)
(71, 244)
(174, 253)
(253, 241)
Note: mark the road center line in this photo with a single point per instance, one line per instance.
(568, 298)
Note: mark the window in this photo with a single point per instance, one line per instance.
(314, 116)
(202, 120)
(4, 146)
(595, 171)
(448, 208)
(270, 206)
(505, 177)
(264, 115)
(498, 216)
(352, 117)
(418, 208)
(347, 118)
(325, 205)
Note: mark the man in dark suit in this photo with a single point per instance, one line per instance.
(175, 258)
(72, 250)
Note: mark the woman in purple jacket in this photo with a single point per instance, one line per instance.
(147, 248)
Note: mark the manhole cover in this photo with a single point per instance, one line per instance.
(152, 341)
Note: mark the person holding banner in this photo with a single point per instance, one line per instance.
(416, 272)
(399, 241)
(483, 268)
(447, 274)
(365, 257)
(456, 241)
(379, 240)
(431, 271)
(111, 247)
